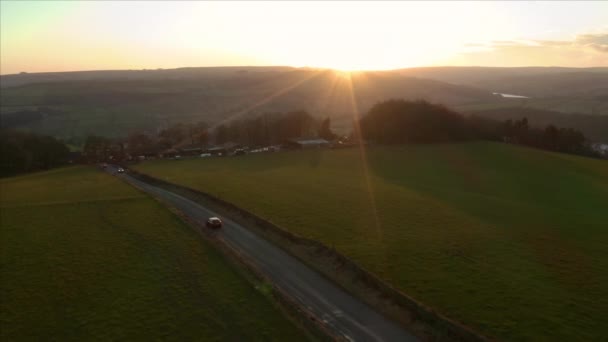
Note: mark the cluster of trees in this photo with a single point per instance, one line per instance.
(22, 152)
(98, 148)
(594, 126)
(196, 133)
(566, 140)
(273, 128)
(263, 130)
(28, 116)
(401, 121)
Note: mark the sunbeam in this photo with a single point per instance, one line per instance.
(363, 157)
(268, 99)
(330, 94)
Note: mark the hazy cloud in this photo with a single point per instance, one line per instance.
(598, 42)
(582, 51)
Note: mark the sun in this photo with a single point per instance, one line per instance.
(345, 74)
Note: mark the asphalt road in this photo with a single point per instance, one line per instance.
(342, 313)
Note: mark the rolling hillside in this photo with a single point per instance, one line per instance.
(509, 240)
(528, 81)
(115, 107)
(85, 256)
(114, 103)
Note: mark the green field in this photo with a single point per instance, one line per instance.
(510, 240)
(87, 257)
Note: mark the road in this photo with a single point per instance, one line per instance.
(342, 313)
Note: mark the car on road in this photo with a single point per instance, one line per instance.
(120, 170)
(214, 223)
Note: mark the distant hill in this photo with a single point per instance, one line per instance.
(114, 103)
(24, 78)
(529, 81)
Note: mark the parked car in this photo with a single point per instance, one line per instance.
(204, 155)
(239, 152)
(214, 223)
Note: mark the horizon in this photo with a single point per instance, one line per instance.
(41, 36)
(310, 68)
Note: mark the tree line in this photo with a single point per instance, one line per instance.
(273, 128)
(401, 121)
(263, 130)
(22, 152)
(388, 122)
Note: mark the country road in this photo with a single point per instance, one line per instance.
(342, 313)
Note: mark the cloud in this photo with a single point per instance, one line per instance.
(598, 42)
(583, 51)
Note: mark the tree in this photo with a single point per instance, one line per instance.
(221, 134)
(401, 121)
(551, 137)
(325, 131)
(96, 148)
(139, 143)
(198, 133)
(25, 152)
(203, 137)
(173, 135)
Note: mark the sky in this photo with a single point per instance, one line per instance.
(40, 36)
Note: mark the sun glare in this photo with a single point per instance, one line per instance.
(352, 36)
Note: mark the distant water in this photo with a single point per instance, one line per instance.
(512, 96)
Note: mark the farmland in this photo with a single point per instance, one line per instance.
(508, 240)
(86, 257)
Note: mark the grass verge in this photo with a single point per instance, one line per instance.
(85, 256)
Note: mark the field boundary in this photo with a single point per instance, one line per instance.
(427, 322)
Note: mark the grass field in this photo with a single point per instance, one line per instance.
(86, 257)
(509, 240)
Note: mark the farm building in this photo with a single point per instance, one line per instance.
(191, 150)
(306, 143)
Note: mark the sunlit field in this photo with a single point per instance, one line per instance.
(509, 240)
(86, 257)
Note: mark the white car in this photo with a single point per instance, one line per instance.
(214, 223)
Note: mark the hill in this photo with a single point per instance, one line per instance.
(115, 103)
(528, 81)
(509, 240)
(115, 107)
(564, 90)
(98, 260)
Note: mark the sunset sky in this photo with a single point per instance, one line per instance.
(41, 36)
